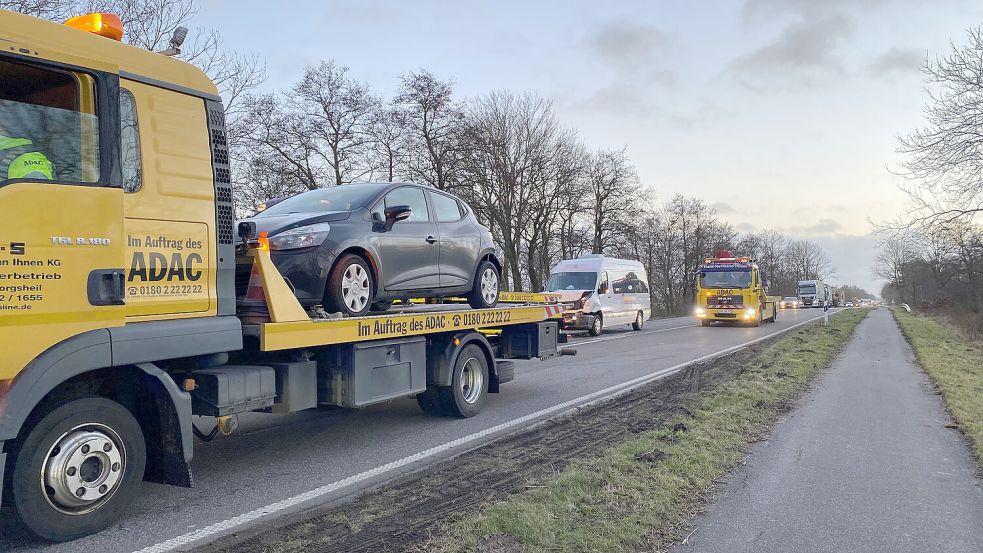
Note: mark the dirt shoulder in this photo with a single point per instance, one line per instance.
(616, 475)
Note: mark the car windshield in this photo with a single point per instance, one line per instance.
(725, 279)
(337, 198)
(807, 288)
(571, 281)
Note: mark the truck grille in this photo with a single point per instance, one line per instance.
(725, 301)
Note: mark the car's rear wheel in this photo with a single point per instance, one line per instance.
(350, 287)
(487, 283)
(382, 306)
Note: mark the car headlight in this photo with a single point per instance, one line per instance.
(300, 237)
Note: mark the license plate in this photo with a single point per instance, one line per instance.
(727, 311)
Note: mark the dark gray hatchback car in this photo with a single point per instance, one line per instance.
(357, 247)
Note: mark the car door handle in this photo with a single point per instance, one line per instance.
(431, 239)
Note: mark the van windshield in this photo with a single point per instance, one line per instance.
(725, 279)
(571, 281)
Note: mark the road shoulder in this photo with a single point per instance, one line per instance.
(866, 464)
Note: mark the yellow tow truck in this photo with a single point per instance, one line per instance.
(733, 289)
(118, 310)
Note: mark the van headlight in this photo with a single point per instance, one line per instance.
(300, 237)
(583, 299)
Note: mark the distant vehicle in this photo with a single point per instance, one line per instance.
(360, 246)
(601, 291)
(789, 302)
(849, 304)
(812, 293)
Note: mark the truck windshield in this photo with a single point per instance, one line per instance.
(345, 197)
(807, 289)
(571, 281)
(725, 279)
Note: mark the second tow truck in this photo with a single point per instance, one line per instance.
(733, 289)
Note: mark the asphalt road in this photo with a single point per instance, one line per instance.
(274, 462)
(866, 464)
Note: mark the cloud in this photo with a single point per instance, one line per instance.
(630, 46)
(824, 226)
(897, 60)
(723, 208)
(805, 49)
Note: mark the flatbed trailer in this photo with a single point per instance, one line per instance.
(118, 307)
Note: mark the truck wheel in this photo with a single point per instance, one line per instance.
(774, 315)
(350, 288)
(757, 319)
(705, 323)
(639, 321)
(487, 283)
(466, 395)
(77, 470)
(597, 326)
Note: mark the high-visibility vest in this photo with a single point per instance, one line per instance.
(20, 160)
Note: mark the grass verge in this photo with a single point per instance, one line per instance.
(955, 365)
(637, 494)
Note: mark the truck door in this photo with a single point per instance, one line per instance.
(169, 203)
(61, 232)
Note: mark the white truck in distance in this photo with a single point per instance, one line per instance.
(813, 293)
(601, 291)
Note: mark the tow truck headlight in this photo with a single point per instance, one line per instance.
(749, 312)
(699, 312)
(300, 237)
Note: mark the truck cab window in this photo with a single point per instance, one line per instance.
(129, 142)
(48, 127)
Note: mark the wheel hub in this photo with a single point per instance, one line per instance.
(489, 286)
(355, 288)
(472, 381)
(83, 469)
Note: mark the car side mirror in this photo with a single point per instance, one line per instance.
(397, 213)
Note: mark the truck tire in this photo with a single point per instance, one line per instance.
(757, 319)
(705, 323)
(77, 469)
(350, 288)
(774, 315)
(466, 395)
(639, 321)
(597, 327)
(487, 284)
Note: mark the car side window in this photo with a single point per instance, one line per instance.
(445, 208)
(413, 197)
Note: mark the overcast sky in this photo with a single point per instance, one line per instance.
(783, 114)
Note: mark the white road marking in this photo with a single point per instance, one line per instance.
(580, 402)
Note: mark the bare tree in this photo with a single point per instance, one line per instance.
(434, 122)
(337, 114)
(945, 161)
(389, 141)
(614, 195)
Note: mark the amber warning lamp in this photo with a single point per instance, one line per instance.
(100, 23)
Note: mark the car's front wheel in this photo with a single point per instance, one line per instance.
(350, 287)
(487, 283)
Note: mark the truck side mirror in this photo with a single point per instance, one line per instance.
(247, 230)
(397, 213)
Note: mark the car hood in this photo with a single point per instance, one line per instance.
(275, 224)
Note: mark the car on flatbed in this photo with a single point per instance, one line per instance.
(356, 247)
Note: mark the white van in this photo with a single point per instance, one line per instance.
(601, 292)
